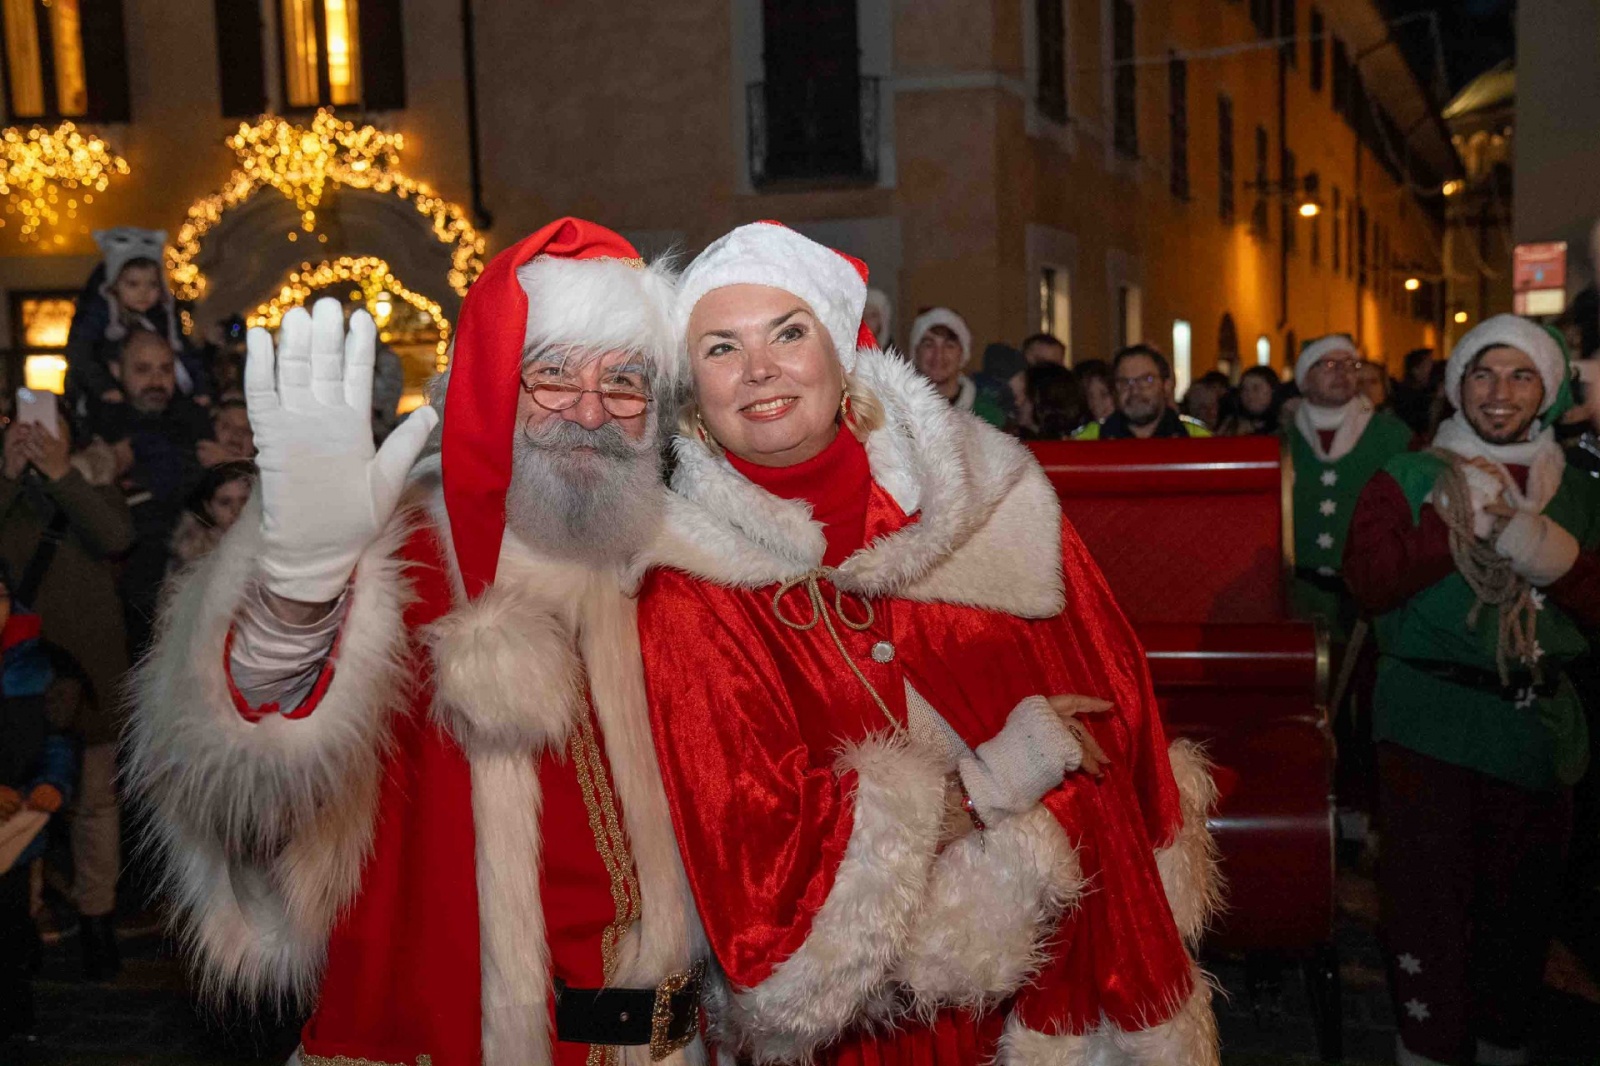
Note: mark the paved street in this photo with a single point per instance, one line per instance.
(147, 1016)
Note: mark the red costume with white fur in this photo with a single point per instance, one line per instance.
(825, 898)
(468, 806)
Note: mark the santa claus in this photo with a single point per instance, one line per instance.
(393, 732)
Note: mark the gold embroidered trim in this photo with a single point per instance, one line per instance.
(612, 844)
(308, 1059)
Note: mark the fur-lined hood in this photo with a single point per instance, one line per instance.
(988, 524)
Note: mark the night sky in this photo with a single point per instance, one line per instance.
(1476, 35)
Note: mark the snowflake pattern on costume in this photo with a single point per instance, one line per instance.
(1418, 1010)
(1327, 507)
(1324, 540)
(1409, 963)
(1330, 478)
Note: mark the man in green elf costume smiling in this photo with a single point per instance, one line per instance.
(1481, 560)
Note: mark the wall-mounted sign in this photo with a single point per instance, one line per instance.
(1539, 278)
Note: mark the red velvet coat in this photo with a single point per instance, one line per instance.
(817, 901)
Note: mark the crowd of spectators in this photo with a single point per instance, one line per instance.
(135, 471)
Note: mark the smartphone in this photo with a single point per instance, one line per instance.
(38, 408)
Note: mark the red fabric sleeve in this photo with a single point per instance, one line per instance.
(254, 714)
(1388, 558)
(762, 822)
(1577, 592)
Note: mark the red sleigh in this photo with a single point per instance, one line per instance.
(1194, 537)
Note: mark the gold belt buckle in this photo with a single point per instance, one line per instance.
(661, 1045)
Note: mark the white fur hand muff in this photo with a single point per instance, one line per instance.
(326, 493)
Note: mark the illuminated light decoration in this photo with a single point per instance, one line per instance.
(41, 164)
(1461, 317)
(45, 373)
(378, 289)
(1413, 284)
(1451, 187)
(302, 162)
(1310, 209)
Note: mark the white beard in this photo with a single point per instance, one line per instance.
(599, 507)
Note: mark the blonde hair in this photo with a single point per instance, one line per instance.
(866, 414)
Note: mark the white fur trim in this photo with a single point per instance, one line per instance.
(763, 253)
(863, 926)
(1317, 350)
(603, 305)
(992, 904)
(1527, 337)
(1188, 866)
(508, 676)
(1187, 1038)
(941, 316)
(262, 828)
(988, 535)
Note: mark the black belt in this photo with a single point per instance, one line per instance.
(666, 1018)
(1521, 687)
(1326, 582)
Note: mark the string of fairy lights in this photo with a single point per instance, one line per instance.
(45, 173)
(302, 162)
(373, 280)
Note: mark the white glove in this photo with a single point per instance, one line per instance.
(1539, 549)
(1012, 770)
(325, 495)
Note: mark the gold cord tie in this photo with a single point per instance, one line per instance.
(811, 582)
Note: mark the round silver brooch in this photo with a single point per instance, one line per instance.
(882, 652)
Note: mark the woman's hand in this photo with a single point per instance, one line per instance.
(10, 802)
(16, 460)
(1070, 708)
(957, 819)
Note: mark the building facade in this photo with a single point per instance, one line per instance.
(1108, 170)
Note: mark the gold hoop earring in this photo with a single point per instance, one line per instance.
(700, 428)
(844, 409)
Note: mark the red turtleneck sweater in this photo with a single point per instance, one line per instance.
(836, 482)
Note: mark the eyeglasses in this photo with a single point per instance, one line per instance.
(1143, 381)
(619, 402)
(1339, 366)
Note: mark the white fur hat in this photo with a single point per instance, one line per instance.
(941, 316)
(772, 254)
(1317, 350)
(1509, 331)
(120, 244)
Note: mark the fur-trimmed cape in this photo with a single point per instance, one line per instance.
(380, 855)
(817, 875)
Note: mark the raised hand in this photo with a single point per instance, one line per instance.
(326, 494)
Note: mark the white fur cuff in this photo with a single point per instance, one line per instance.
(1188, 866)
(1539, 549)
(995, 899)
(862, 927)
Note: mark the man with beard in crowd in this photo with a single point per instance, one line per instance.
(400, 759)
(1481, 559)
(156, 432)
(1142, 386)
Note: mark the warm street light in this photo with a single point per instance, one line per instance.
(1413, 284)
(1451, 187)
(1461, 316)
(1310, 209)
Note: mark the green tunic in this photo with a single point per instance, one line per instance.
(1324, 497)
(1537, 743)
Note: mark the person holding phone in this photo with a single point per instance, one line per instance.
(61, 527)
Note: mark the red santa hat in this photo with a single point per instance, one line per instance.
(772, 254)
(1315, 351)
(572, 283)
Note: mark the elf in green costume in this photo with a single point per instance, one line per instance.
(1481, 560)
(1337, 442)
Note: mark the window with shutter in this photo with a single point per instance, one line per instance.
(1258, 213)
(1125, 133)
(1287, 23)
(1318, 50)
(341, 53)
(1051, 16)
(240, 72)
(1225, 158)
(1178, 124)
(50, 65)
(1288, 210)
